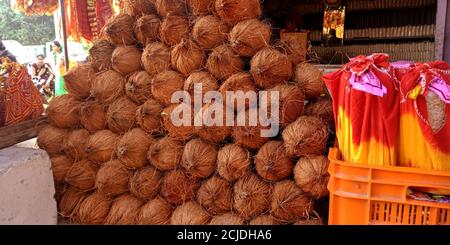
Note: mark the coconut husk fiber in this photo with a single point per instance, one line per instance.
(234, 11)
(108, 86)
(187, 57)
(233, 162)
(64, 111)
(309, 78)
(145, 183)
(78, 80)
(171, 7)
(241, 81)
(436, 111)
(148, 116)
(311, 220)
(147, 28)
(139, 87)
(60, 166)
(207, 81)
(224, 62)
(252, 196)
(249, 36)
(178, 188)
(132, 148)
(264, 220)
(70, 201)
(311, 175)
(323, 109)
(156, 58)
(94, 209)
(249, 136)
(112, 179)
(165, 84)
(291, 103)
(101, 146)
(100, 54)
(82, 175)
(155, 212)
(213, 129)
(138, 8)
(294, 48)
(92, 116)
(51, 139)
(199, 158)
(126, 60)
(215, 195)
(75, 144)
(227, 219)
(270, 67)
(306, 136)
(289, 202)
(174, 29)
(182, 132)
(121, 115)
(209, 31)
(124, 211)
(272, 163)
(119, 30)
(165, 153)
(189, 213)
(201, 7)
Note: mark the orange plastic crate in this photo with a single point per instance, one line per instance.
(369, 195)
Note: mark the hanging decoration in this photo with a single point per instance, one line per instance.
(35, 7)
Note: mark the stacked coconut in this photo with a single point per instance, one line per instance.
(119, 159)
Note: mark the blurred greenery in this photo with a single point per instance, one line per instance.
(28, 30)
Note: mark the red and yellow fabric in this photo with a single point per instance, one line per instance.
(366, 110)
(36, 7)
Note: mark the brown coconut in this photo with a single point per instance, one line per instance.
(224, 62)
(177, 188)
(132, 148)
(272, 163)
(311, 175)
(187, 57)
(174, 29)
(119, 30)
(213, 129)
(78, 80)
(209, 31)
(171, 7)
(189, 213)
(249, 36)
(112, 179)
(138, 8)
(234, 11)
(227, 219)
(241, 81)
(139, 87)
(182, 132)
(199, 158)
(70, 201)
(121, 115)
(94, 209)
(306, 136)
(165, 84)
(309, 78)
(64, 111)
(155, 212)
(148, 116)
(291, 103)
(207, 81)
(124, 211)
(289, 202)
(100, 54)
(82, 175)
(233, 162)
(310, 221)
(101, 146)
(270, 67)
(92, 116)
(200, 7)
(264, 220)
(126, 60)
(75, 144)
(252, 196)
(51, 139)
(249, 136)
(165, 153)
(323, 109)
(147, 28)
(156, 58)
(108, 86)
(60, 166)
(215, 195)
(145, 183)
(295, 49)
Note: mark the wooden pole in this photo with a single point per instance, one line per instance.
(64, 33)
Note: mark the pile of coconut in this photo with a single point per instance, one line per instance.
(117, 157)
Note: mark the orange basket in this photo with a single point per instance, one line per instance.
(369, 195)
